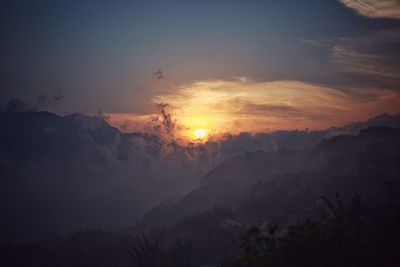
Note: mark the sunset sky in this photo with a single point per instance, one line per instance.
(220, 66)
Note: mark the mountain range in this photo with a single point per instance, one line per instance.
(63, 173)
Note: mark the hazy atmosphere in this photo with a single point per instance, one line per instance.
(178, 133)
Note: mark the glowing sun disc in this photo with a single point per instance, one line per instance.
(200, 133)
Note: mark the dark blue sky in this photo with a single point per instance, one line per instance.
(102, 53)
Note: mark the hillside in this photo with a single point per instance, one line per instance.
(79, 170)
(284, 186)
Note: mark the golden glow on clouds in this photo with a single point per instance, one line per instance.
(242, 105)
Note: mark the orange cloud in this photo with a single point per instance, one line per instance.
(242, 105)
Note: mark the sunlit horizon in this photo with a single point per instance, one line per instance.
(241, 105)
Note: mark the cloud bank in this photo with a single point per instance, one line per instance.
(243, 105)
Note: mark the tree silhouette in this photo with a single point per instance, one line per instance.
(148, 252)
(338, 237)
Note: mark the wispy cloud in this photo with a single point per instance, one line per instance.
(369, 60)
(373, 54)
(375, 8)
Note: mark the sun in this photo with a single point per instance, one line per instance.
(200, 133)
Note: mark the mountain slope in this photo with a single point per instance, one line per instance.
(62, 173)
(284, 186)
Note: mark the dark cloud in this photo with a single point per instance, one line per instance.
(162, 124)
(44, 100)
(167, 121)
(159, 75)
(59, 95)
(18, 105)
